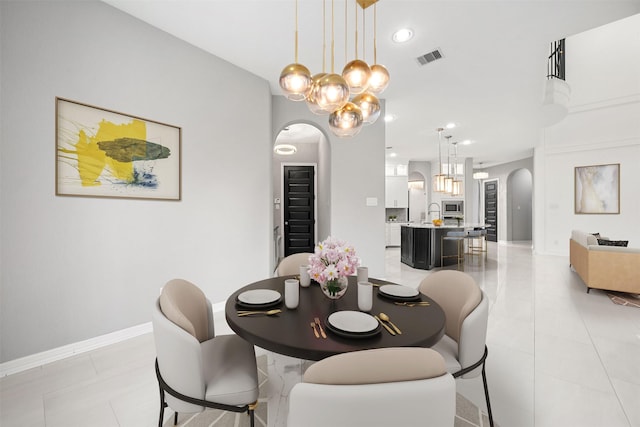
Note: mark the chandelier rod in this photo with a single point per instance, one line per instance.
(375, 32)
(332, 37)
(296, 43)
(324, 36)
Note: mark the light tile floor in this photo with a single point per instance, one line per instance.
(557, 357)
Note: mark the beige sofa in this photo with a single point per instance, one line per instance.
(604, 267)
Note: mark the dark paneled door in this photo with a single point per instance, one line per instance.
(491, 209)
(299, 209)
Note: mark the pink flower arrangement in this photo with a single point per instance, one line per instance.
(332, 259)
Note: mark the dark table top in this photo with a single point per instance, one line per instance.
(290, 332)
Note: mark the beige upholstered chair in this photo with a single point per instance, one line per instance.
(290, 265)
(405, 386)
(195, 368)
(467, 312)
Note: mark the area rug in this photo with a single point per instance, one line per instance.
(467, 414)
(623, 298)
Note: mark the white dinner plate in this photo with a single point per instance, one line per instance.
(398, 291)
(352, 321)
(259, 296)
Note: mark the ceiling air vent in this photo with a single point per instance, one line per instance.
(429, 57)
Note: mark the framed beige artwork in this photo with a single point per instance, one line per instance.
(104, 153)
(597, 189)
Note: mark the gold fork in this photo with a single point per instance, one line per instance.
(413, 304)
(315, 331)
(317, 320)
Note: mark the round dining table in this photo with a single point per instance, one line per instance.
(290, 333)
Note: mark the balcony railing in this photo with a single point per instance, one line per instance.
(555, 64)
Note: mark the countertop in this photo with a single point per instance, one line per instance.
(429, 225)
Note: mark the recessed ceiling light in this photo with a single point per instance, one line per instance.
(467, 142)
(285, 149)
(389, 118)
(392, 155)
(450, 125)
(402, 35)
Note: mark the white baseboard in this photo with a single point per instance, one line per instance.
(39, 359)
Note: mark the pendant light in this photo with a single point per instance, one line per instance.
(456, 189)
(312, 101)
(346, 121)
(448, 181)
(295, 79)
(379, 79)
(438, 179)
(357, 72)
(332, 91)
(369, 103)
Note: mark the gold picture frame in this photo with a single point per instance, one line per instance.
(104, 153)
(597, 189)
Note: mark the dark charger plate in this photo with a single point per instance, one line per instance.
(398, 298)
(347, 334)
(258, 306)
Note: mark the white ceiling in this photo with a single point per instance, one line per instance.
(490, 81)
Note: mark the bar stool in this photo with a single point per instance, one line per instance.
(455, 236)
(477, 242)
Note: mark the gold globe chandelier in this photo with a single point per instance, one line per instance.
(331, 93)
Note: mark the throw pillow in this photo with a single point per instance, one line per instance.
(604, 242)
(597, 235)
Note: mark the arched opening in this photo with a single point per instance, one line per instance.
(301, 189)
(417, 197)
(519, 205)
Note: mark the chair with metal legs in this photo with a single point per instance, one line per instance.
(195, 368)
(405, 386)
(476, 243)
(453, 236)
(466, 311)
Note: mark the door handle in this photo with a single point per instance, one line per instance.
(286, 223)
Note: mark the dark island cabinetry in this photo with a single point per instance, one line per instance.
(420, 246)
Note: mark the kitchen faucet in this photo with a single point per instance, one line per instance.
(429, 210)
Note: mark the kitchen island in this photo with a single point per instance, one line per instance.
(420, 244)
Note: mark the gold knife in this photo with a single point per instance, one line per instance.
(391, 331)
(317, 320)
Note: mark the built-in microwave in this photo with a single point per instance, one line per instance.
(455, 207)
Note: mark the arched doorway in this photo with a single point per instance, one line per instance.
(301, 189)
(417, 197)
(519, 205)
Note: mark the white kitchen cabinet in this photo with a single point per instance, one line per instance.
(393, 234)
(397, 192)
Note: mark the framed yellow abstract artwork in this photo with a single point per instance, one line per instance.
(103, 153)
(597, 189)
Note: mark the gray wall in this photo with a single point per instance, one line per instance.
(520, 205)
(307, 154)
(501, 174)
(357, 172)
(76, 268)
